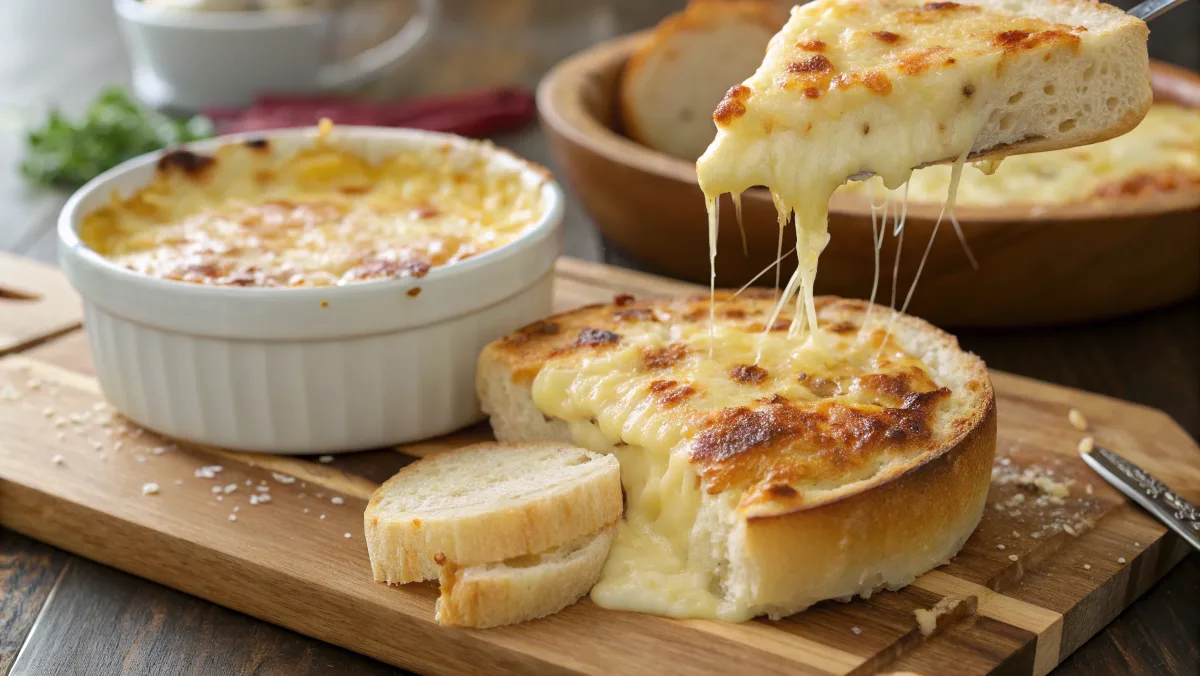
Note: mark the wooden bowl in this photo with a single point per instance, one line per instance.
(1037, 264)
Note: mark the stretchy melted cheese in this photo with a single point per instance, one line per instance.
(709, 433)
(248, 216)
(858, 87)
(1161, 155)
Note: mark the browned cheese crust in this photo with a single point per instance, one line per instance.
(787, 441)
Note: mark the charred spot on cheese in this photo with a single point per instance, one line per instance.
(816, 63)
(939, 6)
(664, 357)
(191, 164)
(414, 292)
(732, 106)
(886, 37)
(670, 393)
(621, 300)
(258, 143)
(1018, 40)
(968, 90)
(595, 338)
(842, 327)
(748, 373)
(811, 45)
(918, 61)
(866, 129)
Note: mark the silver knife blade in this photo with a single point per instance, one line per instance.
(1167, 506)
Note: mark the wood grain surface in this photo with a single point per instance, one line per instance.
(1032, 593)
(60, 52)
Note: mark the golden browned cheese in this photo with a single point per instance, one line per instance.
(768, 417)
(250, 215)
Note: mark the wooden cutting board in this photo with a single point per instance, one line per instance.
(1036, 581)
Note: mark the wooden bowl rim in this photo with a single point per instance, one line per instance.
(560, 104)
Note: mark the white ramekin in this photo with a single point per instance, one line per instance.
(307, 370)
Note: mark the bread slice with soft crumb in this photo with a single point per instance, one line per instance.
(854, 87)
(488, 503)
(524, 588)
(674, 80)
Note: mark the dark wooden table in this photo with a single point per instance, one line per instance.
(61, 614)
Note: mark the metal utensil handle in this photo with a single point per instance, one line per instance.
(1172, 510)
(1151, 8)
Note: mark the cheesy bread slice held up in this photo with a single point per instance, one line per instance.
(860, 87)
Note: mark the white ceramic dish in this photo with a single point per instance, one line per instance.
(307, 370)
(192, 59)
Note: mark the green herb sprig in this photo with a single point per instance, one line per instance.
(115, 128)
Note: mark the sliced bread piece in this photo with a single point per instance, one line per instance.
(524, 588)
(672, 83)
(488, 503)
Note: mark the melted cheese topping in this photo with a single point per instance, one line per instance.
(248, 216)
(850, 87)
(1162, 154)
(741, 423)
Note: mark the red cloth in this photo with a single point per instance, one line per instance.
(474, 114)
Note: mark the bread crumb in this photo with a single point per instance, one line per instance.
(48, 412)
(58, 460)
(1137, 544)
(1121, 559)
(322, 517)
(1088, 489)
(263, 489)
(1075, 416)
(856, 630)
(1013, 557)
(306, 510)
(927, 619)
(1016, 534)
(1069, 530)
(1087, 444)
(325, 459)
(336, 500)
(150, 488)
(347, 536)
(233, 517)
(229, 488)
(236, 508)
(208, 471)
(1000, 547)
(1087, 566)
(283, 478)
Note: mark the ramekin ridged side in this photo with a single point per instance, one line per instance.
(306, 396)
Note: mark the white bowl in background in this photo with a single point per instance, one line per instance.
(316, 369)
(195, 59)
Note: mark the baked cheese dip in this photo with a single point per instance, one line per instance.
(251, 216)
(1162, 154)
